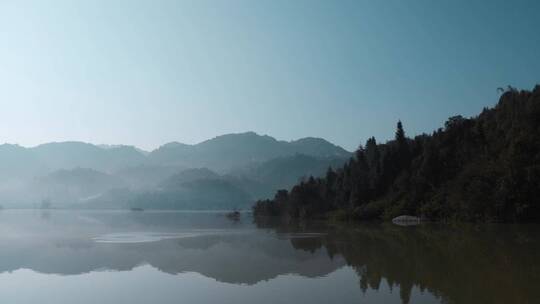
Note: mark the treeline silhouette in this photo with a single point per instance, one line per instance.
(485, 168)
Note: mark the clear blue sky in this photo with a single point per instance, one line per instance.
(150, 72)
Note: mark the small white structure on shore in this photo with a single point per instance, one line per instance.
(406, 220)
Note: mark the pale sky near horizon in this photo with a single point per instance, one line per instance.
(149, 72)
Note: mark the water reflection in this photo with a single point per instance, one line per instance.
(453, 264)
(70, 243)
(459, 264)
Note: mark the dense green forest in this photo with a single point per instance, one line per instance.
(484, 168)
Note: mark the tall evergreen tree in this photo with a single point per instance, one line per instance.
(400, 134)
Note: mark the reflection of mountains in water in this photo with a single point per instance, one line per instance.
(241, 258)
(227, 253)
(461, 264)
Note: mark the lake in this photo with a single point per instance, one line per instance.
(54, 256)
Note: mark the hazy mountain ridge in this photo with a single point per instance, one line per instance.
(283, 172)
(18, 161)
(72, 186)
(231, 151)
(201, 194)
(242, 167)
(143, 152)
(68, 155)
(218, 154)
(207, 189)
(188, 175)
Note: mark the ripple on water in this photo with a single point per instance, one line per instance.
(146, 237)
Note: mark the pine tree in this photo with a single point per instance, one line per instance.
(400, 134)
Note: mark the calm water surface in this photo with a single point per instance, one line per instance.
(189, 257)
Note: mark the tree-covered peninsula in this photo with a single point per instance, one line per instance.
(484, 168)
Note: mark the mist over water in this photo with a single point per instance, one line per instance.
(166, 257)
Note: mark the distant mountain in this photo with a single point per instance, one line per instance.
(198, 188)
(285, 172)
(199, 194)
(234, 168)
(19, 162)
(317, 147)
(108, 147)
(146, 176)
(220, 154)
(201, 188)
(68, 155)
(73, 186)
(231, 151)
(189, 175)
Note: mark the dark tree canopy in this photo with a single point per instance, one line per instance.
(485, 168)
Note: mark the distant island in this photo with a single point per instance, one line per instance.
(485, 168)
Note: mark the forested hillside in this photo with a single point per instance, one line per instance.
(484, 168)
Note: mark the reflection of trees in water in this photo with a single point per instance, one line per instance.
(459, 264)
